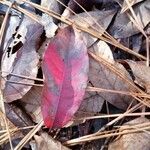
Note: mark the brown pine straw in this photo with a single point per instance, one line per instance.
(2, 30)
(112, 68)
(140, 27)
(94, 33)
(39, 7)
(106, 38)
(135, 129)
(69, 22)
(110, 123)
(29, 135)
(97, 89)
(46, 11)
(24, 77)
(17, 129)
(102, 116)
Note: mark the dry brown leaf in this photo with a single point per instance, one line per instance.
(103, 18)
(53, 5)
(24, 62)
(48, 21)
(49, 26)
(133, 141)
(46, 142)
(100, 76)
(14, 43)
(32, 103)
(141, 74)
(93, 101)
(13, 23)
(17, 115)
(92, 104)
(123, 26)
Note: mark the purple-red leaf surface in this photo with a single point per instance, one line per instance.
(65, 68)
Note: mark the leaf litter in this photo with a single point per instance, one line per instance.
(88, 89)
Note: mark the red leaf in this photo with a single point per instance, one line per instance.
(65, 67)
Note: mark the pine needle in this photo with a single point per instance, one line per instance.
(29, 136)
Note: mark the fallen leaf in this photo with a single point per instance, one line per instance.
(103, 50)
(48, 21)
(103, 18)
(65, 68)
(32, 103)
(13, 23)
(54, 5)
(101, 76)
(138, 141)
(3, 8)
(17, 40)
(91, 105)
(46, 142)
(123, 26)
(86, 4)
(141, 74)
(49, 26)
(17, 116)
(24, 62)
(137, 43)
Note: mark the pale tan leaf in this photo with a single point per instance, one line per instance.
(32, 103)
(133, 141)
(141, 73)
(103, 50)
(91, 20)
(123, 27)
(92, 104)
(23, 62)
(46, 142)
(100, 76)
(49, 26)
